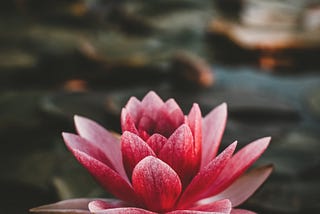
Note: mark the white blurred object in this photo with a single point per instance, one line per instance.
(311, 18)
(273, 13)
(282, 14)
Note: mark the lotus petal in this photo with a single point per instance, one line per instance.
(169, 118)
(127, 122)
(245, 186)
(134, 108)
(195, 123)
(238, 164)
(157, 183)
(76, 206)
(102, 204)
(146, 126)
(156, 142)
(101, 138)
(213, 127)
(222, 206)
(134, 149)
(124, 210)
(193, 212)
(150, 104)
(178, 153)
(105, 175)
(75, 142)
(206, 177)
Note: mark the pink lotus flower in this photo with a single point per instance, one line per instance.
(164, 162)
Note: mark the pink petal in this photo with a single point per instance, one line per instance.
(114, 206)
(134, 149)
(245, 186)
(178, 153)
(240, 211)
(169, 118)
(79, 205)
(102, 204)
(102, 139)
(127, 122)
(106, 176)
(206, 177)
(151, 103)
(222, 206)
(156, 142)
(134, 108)
(157, 184)
(145, 134)
(175, 112)
(194, 212)
(195, 123)
(212, 130)
(124, 210)
(239, 163)
(76, 142)
(146, 124)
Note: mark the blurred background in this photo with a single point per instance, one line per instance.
(87, 57)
